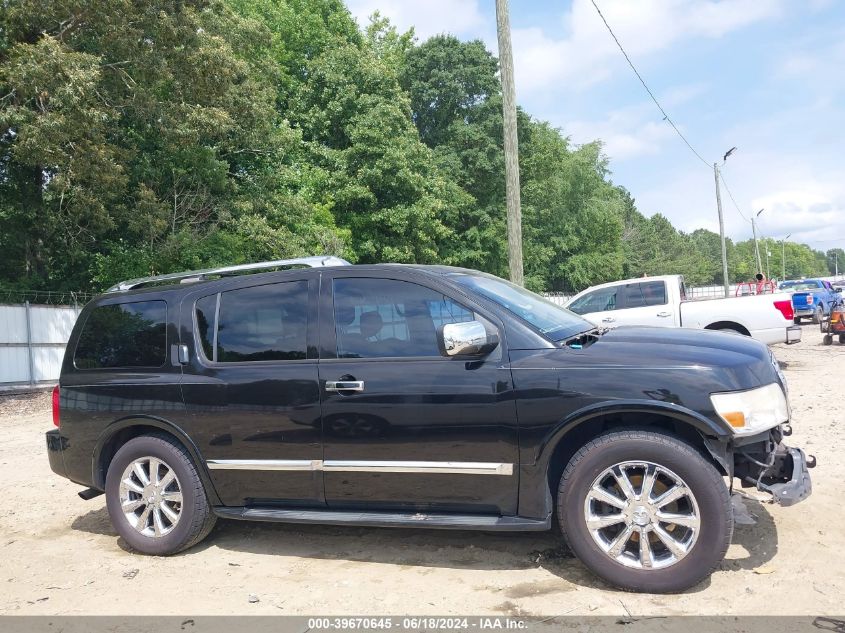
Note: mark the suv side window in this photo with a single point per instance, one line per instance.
(600, 300)
(268, 322)
(123, 335)
(384, 318)
(646, 293)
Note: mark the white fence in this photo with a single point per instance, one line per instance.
(32, 342)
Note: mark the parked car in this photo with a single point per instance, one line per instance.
(416, 396)
(811, 298)
(662, 301)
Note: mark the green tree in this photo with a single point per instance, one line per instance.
(381, 182)
(132, 128)
(835, 258)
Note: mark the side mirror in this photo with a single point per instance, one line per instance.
(838, 289)
(467, 338)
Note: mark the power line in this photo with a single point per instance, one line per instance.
(722, 178)
(647, 89)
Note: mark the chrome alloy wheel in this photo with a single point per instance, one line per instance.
(642, 515)
(150, 496)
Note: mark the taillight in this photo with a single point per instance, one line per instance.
(56, 416)
(786, 309)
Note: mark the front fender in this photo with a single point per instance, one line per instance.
(99, 474)
(534, 477)
(704, 425)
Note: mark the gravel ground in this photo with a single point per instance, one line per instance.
(60, 554)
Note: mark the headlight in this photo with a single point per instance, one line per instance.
(753, 411)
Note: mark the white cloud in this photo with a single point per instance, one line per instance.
(581, 52)
(623, 133)
(633, 131)
(459, 17)
(803, 198)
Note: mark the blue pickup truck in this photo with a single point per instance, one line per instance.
(811, 298)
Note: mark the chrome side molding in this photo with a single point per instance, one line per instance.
(264, 464)
(360, 466)
(459, 468)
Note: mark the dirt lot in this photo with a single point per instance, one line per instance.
(60, 555)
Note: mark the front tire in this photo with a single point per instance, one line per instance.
(155, 496)
(645, 511)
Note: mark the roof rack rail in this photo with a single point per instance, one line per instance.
(200, 275)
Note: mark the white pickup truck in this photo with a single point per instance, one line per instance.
(662, 301)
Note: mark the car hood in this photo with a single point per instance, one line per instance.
(741, 361)
(714, 361)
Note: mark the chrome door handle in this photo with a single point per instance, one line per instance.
(608, 320)
(664, 314)
(344, 385)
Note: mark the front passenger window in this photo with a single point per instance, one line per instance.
(600, 300)
(384, 318)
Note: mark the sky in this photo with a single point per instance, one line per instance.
(764, 76)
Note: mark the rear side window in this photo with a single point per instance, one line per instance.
(267, 322)
(646, 293)
(123, 335)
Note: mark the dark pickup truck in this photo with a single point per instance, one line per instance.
(416, 396)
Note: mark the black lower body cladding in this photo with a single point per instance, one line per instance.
(56, 445)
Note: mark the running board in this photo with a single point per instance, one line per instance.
(388, 519)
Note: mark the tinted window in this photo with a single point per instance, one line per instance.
(549, 319)
(384, 318)
(646, 293)
(267, 322)
(124, 335)
(600, 300)
(206, 323)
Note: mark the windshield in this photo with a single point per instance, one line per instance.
(551, 320)
(799, 285)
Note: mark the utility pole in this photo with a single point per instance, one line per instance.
(722, 230)
(756, 243)
(783, 257)
(503, 28)
(768, 254)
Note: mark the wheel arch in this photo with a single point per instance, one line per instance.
(579, 429)
(128, 428)
(729, 325)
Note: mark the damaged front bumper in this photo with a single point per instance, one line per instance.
(770, 466)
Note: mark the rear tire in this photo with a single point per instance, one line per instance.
(818, 313)
(796, 320)
(828, 339)
(155, 496)
(690, 553)
(842, 338)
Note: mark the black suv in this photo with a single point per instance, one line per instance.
(423, 396)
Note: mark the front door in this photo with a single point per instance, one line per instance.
(405, 427)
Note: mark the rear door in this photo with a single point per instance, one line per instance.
(646, 303)
(403, 426)
(251, 388)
